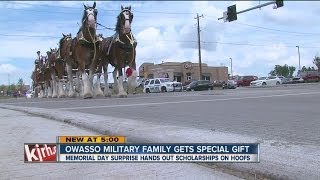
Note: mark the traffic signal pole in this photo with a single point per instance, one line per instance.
(256, 7)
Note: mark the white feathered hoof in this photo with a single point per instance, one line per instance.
(62, 96)
(54, 95)
(87, 96)
(122, 96)
(107, 93)
(78, 88)
(98, 92)
(72, 95)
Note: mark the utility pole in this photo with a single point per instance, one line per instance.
(199, 44)
(8, 84)
(299, 57)
(231, 68)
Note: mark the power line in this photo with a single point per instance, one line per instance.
(21, 35)
(271, 29)
(61, 13)
(116, 10)
(154, 12)
(157, 12)
(265, 28)
(178, 41)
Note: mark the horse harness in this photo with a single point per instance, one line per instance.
(115, 40)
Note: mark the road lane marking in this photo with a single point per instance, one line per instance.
(152, 96)
(189, 101)
(106, 99)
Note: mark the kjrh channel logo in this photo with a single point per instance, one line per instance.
(39, 152)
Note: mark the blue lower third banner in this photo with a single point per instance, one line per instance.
(158, 152)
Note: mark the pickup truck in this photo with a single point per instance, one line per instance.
(310, 76)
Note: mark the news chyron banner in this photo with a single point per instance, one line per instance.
(115, 149)
(48, 152)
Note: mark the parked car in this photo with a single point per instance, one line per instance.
(245, 80)
(281, 77)
(286, 81)
(266, 81)
(161, 85)
(231, 84)
(140, 82)
(200, 85)
(297, 80)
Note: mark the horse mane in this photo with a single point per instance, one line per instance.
(60, 42)
(118, 25)
(83, 16)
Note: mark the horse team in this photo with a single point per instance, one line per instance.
(86, 55)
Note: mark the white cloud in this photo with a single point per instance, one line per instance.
(7, 69)
(9, 72)
(162, 36)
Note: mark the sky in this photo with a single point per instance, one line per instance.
(167, 31)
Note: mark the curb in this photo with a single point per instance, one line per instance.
(275, 161)
(284, 85)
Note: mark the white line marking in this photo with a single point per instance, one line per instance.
(179, 102)
(106, 99)
(152, 96)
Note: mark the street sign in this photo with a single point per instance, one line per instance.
(225, 16)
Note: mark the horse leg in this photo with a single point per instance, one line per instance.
(49, 89)
(122, 93)
(87, 91)
(79, 83)
(87, 88)
(71, 92)
(53, 86)
(107, 92)
(97, 88)
(115, 82)
(41, 91)
(132, 81)
(61, 90)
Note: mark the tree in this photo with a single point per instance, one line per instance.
(303, 69)
(20, 84)
(12, 87)
(3, 87)
(292, 69)
(284, 70)
(272, 73)
(316, 61)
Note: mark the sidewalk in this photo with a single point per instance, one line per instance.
(18, 128)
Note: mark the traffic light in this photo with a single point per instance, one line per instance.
(232, 13)
(279, 3)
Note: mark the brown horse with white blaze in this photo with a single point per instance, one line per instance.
(66, 56)
(57, 72)
(120, 51)
(84, 48)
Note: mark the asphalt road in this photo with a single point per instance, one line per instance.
(277, 113)
(15, 132)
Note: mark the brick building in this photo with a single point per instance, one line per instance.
(183, 71)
